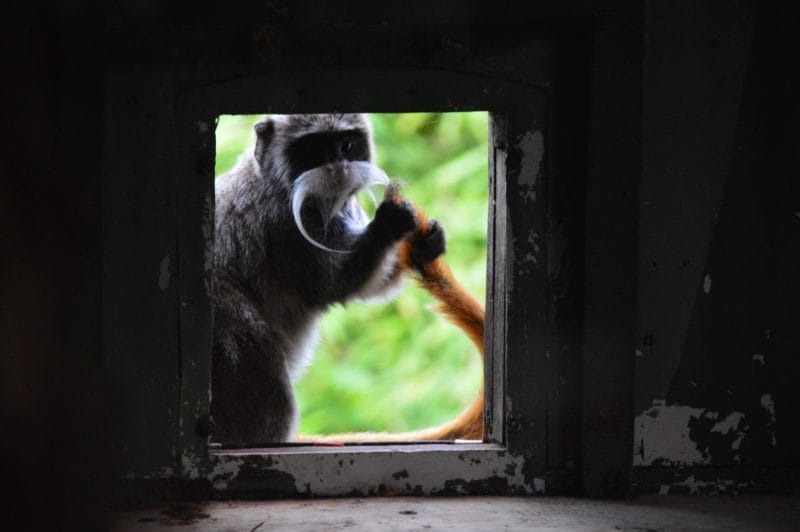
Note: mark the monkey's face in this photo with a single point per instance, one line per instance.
(324, 202)
(326, 161)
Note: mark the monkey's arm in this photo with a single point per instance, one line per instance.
(372, 264)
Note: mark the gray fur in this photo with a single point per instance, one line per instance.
(271, 285)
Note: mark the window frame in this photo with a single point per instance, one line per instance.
(512, 459)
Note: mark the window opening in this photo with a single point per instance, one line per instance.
(397, 365)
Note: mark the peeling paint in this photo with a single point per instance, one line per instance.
(163, 274)
(531, 145)
(226, 469)
(705, 487)
(769, 405)
(425, 473)
(639, 353)
(707, 284)
(732, 423)
(663, 434)
(191, 466)
(533, 240)
(758, 358)
(384, 471)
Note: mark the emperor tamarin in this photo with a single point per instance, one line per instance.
(291, 240)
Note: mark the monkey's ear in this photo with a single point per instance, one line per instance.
(265, 130)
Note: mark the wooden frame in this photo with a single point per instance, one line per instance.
(512, 459)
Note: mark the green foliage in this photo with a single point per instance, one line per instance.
(399, 365)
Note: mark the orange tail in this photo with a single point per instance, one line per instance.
(463, 310)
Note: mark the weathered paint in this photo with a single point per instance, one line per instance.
(391, 469)
(661, 436)
(697, 487)
(531, 146)
(669, 434)
(769, 407)
(733, 424)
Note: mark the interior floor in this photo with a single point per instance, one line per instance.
(646, 513)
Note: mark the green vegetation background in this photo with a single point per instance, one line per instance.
(398, 365)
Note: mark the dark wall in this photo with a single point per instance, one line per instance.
(717, 364)
(53, 414)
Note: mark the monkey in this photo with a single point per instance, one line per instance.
(421, 255)
(291, 240)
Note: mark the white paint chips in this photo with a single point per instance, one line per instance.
(706, 487)
(191, 466)
(769, 407)
(532, 147)
(732, 423)
(707, 284)
(662, 434)
(226, 469)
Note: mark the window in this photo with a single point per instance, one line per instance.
(398, 365)
(511, 459)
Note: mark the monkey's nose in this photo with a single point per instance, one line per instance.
(338, 168)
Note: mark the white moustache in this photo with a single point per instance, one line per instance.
(332, 186)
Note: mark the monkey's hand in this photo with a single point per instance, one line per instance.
(427, 244)
(394, 219)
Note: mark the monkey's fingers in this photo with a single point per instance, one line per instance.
(392, 192)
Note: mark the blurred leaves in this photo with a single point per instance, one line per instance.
(398, 365)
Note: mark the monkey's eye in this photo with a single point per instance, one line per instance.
(347, 147)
